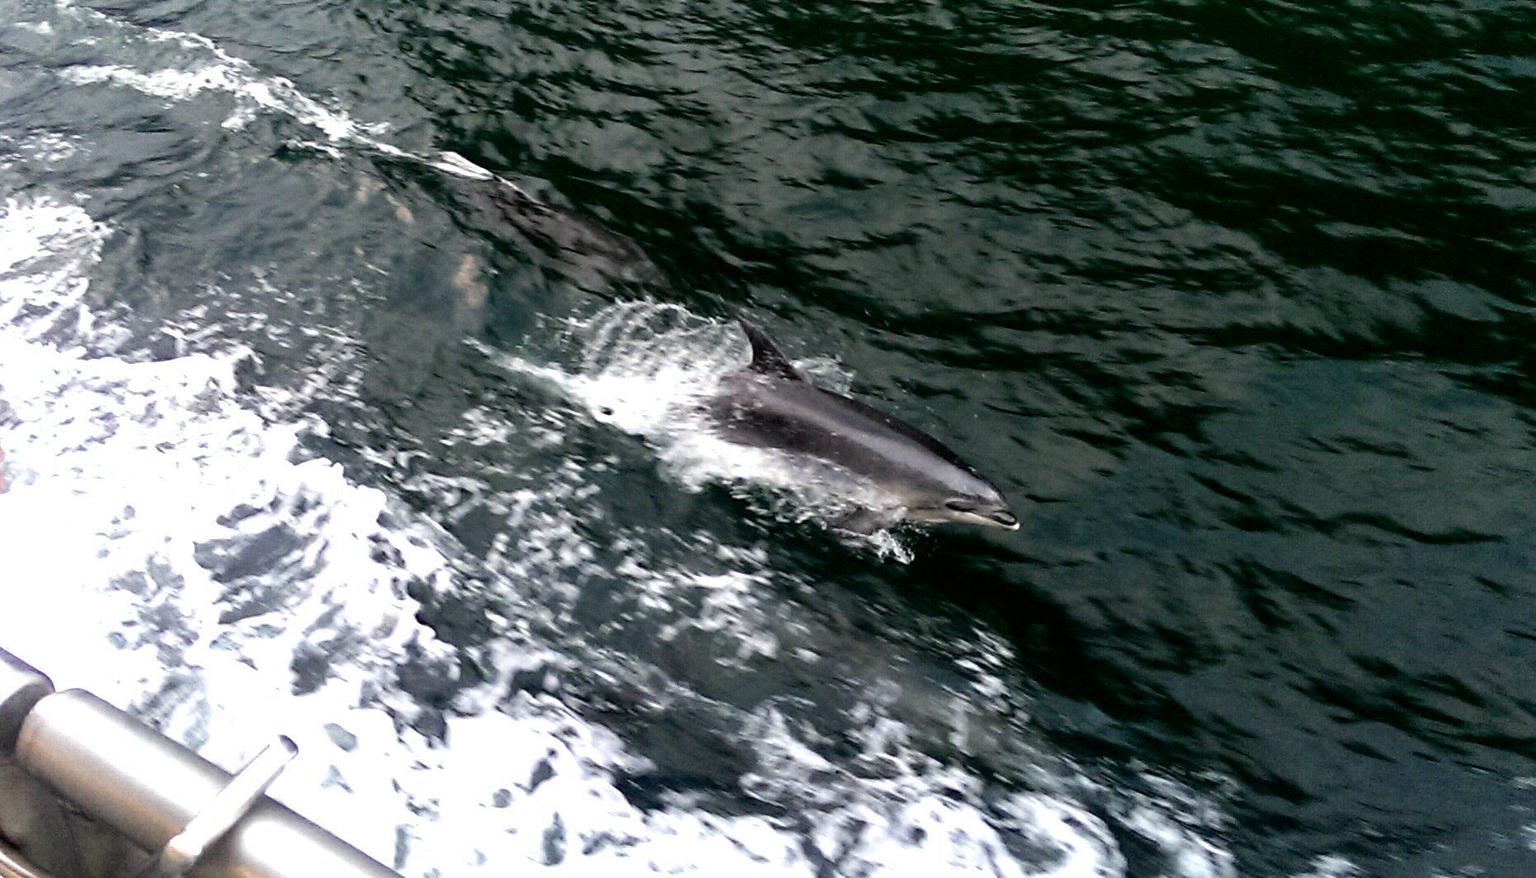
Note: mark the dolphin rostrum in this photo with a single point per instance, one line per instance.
(769, 405)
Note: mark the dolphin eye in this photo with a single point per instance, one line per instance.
(960, 505)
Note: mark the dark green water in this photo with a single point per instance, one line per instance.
(1234, 300)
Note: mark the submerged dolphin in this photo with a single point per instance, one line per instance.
(769, 405)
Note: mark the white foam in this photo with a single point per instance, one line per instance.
(1331, 867)
(55, 241)
(1180, 826)
(236, 78)
(118, 476)
(123, 475)
(47, 147)
(456, 164)
(207, 67)
(914, 816)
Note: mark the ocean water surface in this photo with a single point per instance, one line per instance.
(348, 350)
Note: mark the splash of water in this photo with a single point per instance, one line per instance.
(648, 368)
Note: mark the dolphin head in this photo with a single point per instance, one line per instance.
(989, 510)
(966, 500)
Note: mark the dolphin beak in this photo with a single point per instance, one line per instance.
(1004, 519)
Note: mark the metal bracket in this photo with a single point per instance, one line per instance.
(233, 802)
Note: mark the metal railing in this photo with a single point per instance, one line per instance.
(86, 791)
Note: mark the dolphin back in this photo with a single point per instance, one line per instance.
(776, 406)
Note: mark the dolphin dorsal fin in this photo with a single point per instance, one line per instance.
(766, 359)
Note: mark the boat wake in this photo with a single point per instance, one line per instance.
(175, 542)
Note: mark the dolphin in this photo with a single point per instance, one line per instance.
(770, 405)
(554, 238)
